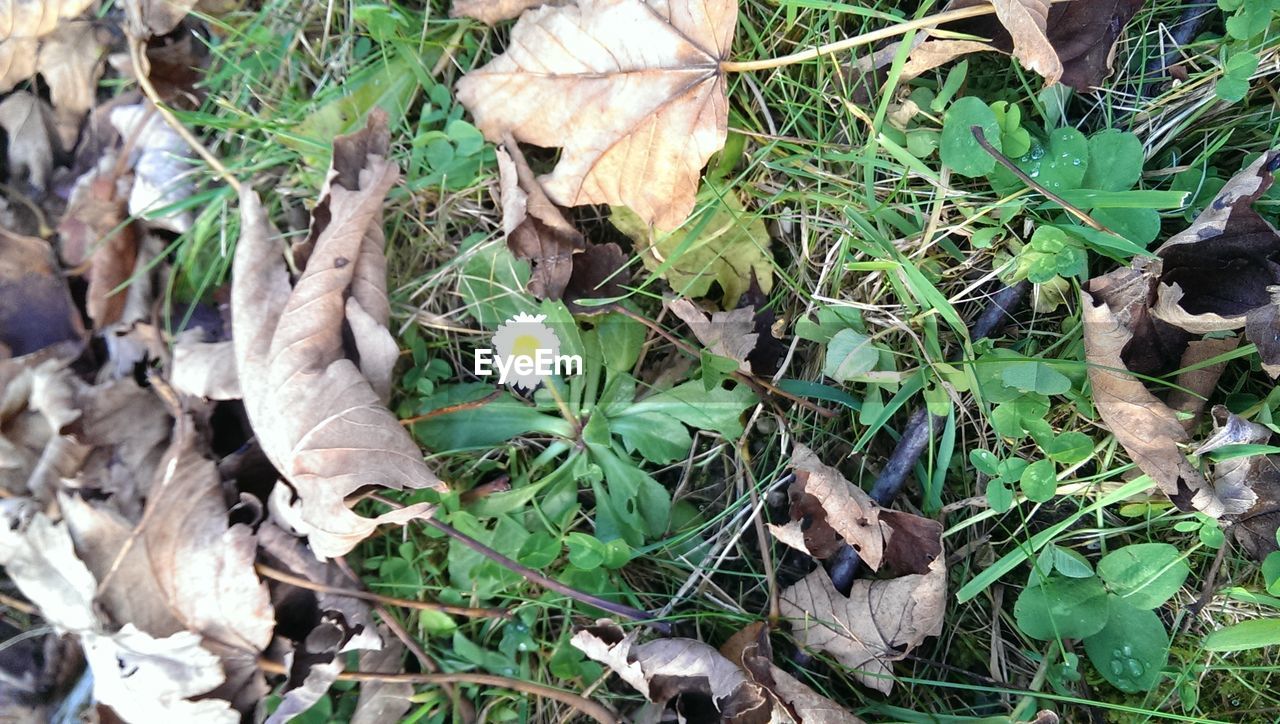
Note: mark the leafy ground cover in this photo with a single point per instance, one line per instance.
(925, 377)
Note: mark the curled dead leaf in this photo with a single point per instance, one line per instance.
(490, 12)
(33, 139)
(681, 673)
(828, 511)
(535, 227)
(632, 91)
(319, 417)
(728, 334)
(793, 701)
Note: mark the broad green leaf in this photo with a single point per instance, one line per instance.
(475, 421)
(999, 495)
(1068, 608)
(1057, 165)
(585, 551)
(1070, 564)
(984, 460)
(658, 437)
(539, 550)
(849, 354)
(1140, 226)
(1131, 649)
(959, 149)
(620, 338)
(1115, 161)
(1144, 575)
(1271, 572)
(719, 409)
(1251, 634)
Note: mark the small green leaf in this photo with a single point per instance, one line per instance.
(1039, 481)
(658, 437)
(539, 550)
(984, 460)
(1115, 161)
(849, 354)
(1131, 649)
(620, 339)
(1071, 564)
(1069, 608)
(999, 496)
(585, 551)
(1144, 575)
(1035, 376)
(960, 150)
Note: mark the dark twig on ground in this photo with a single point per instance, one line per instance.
(919, 430)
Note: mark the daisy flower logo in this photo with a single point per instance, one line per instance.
(525, 352)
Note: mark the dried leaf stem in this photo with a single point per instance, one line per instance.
(137, 56)
(277, 575)
(593, 709)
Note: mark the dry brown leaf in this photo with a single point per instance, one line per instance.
(935, 52)
(96, 235)
(750, 649)
(71, 61)
(881, 620)
(491, 12)
(37, 408)
(36, 18)
(32, 137)
(383, 701)
(156, 17)
(1193, 387)
(316, 414)
(1027, 23)
(205, 369)
(36, 309)
(728, 334)
(828, 511)
(144, 678)
(536, 229)
(665, 669)
(631, 90)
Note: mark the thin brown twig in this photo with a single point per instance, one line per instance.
(18, 605)
(278, 575)
(762, 387)
(593, 709)
(137, 56)
(453, 408)
(1012, 168)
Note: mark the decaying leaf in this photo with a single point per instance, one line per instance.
(722, 244)
(162, 172)
(792, 700)
(36, 18)
(289, 345)
(96, 235)
(32, 137)
(1255, 528)
(631, 90)
(1027, 24)
(1211, 278)
(676, 672)
(490, 12)
(71, 61)
(37, 407)
(536, 229)
(156, 17)
(143, 677)
(36, 309)
(827, 511)
(728, 334)
(205, 369)
(881, 620)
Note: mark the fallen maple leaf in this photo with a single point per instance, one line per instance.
(319, 417)
(881, 620)
(632, 90)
